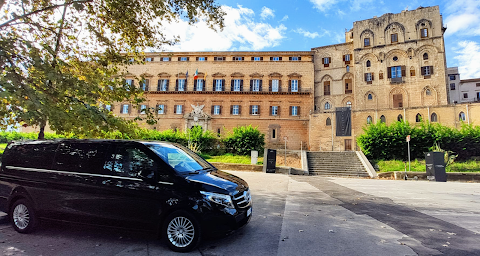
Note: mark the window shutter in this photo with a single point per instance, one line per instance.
(289, 85)
(188, 58)
(204, 84)
(261, 58)
(212, 109)
(220, 110)
(290, 110)
(223, 85)
(280, 58)
(179, 58)
(196, 58)
(365, 76)
(206, 58)
(423, 71)
(261, 82)
(373, 75)
(147, 83)
(214, 84)
(343, 57)
(269, 85)
(159, 84)
(279, 85)
(251, 85)
(298, 111)
(253, 58)
(231, 109)
(329, 60)
(231, 85)
(299, 85)
(176, 85)
(195, 85)
(299, 58)
(129, 108)
(174, 109)
(389, 72)
(258, 109)
(271, 110)
(404, 72)
(251, 109)
(278, 111)
(271, 58)
(165, 109)
(239, 109)
(323, 60)
(168, 83)
(241, 85)
(133, 83)
(431, 70)
(289, 58)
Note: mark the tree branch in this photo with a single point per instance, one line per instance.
(42, 10)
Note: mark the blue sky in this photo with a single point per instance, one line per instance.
(299, 25)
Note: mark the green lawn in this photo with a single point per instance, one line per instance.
(419, 166)
(230, 158)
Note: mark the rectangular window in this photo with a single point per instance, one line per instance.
(201, 58)
(236, 58)
(236, 85)
(294, 86)
(274, 111)
(396, 71)
(179, 109)
(394, 38)
(452, 77)
(427, 70)
(125, 108)
(347, 57)
(129, 83)
(424, 32)
(183, 59)
(275, 58)
(326, 61)
(148, 59)
(257, 58)
(181, 85)
(255, 110)
(144, 85)
(162, 85)
(161, 109)
(256, 85)
(368, 77)
(108, 107)
(166, 59)
(199, 85)
(218, 58)
(216, 110)
(452, 86)
(218, 85)
(294, 110)
(477, 84)
(236, 110)
(142, 109)
(275, 86)
(366, 42)
(295, 58)
(465, 95)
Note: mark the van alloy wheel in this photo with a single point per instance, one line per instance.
(181, 231)
(21, 216)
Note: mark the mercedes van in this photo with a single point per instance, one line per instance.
(157, 186)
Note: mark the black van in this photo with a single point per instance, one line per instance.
(157, 186)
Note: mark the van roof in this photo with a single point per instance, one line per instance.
(86, 140)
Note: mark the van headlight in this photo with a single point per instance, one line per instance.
(221, 199)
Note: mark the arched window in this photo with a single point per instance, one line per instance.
(433, 117)
(348, 68)
(349, 104)
(327, 106)
(383, 119)
(461, 116)
(399, 118)
(370, 97)
(369, 120)
(328, 122)
(428, 92)
(425, 56)
(368, 63)
(418, 118)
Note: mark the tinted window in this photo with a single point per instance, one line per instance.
(38, 156)
(81, 157)
(131, 162)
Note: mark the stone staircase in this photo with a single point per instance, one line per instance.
(346, 164)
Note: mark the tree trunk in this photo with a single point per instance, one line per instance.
(41, 134)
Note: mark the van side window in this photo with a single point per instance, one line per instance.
(38, 156)
(81, 157)
(133, 163)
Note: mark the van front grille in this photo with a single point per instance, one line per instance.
(243, 199)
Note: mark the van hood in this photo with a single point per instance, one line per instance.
(221, 180)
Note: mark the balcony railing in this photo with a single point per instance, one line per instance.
(396, 80)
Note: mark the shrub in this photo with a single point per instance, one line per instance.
(244, 139)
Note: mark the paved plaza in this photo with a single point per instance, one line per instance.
(302, 215)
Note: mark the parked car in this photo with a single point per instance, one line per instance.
(157, 186)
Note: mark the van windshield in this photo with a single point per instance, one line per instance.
(179, 158)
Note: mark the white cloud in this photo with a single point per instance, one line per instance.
(323, 5)
(307, 33)
(284, 18)
(267, 12)
(463, 17)
(241, 32)
(467, 55)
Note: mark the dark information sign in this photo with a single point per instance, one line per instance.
(269, 160)
(344, 121)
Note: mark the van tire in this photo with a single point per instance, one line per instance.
(23, 216)
(181, 231)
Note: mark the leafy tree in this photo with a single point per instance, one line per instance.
(62, 61)
(244, 139)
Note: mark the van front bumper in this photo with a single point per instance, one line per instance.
(222, 221)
